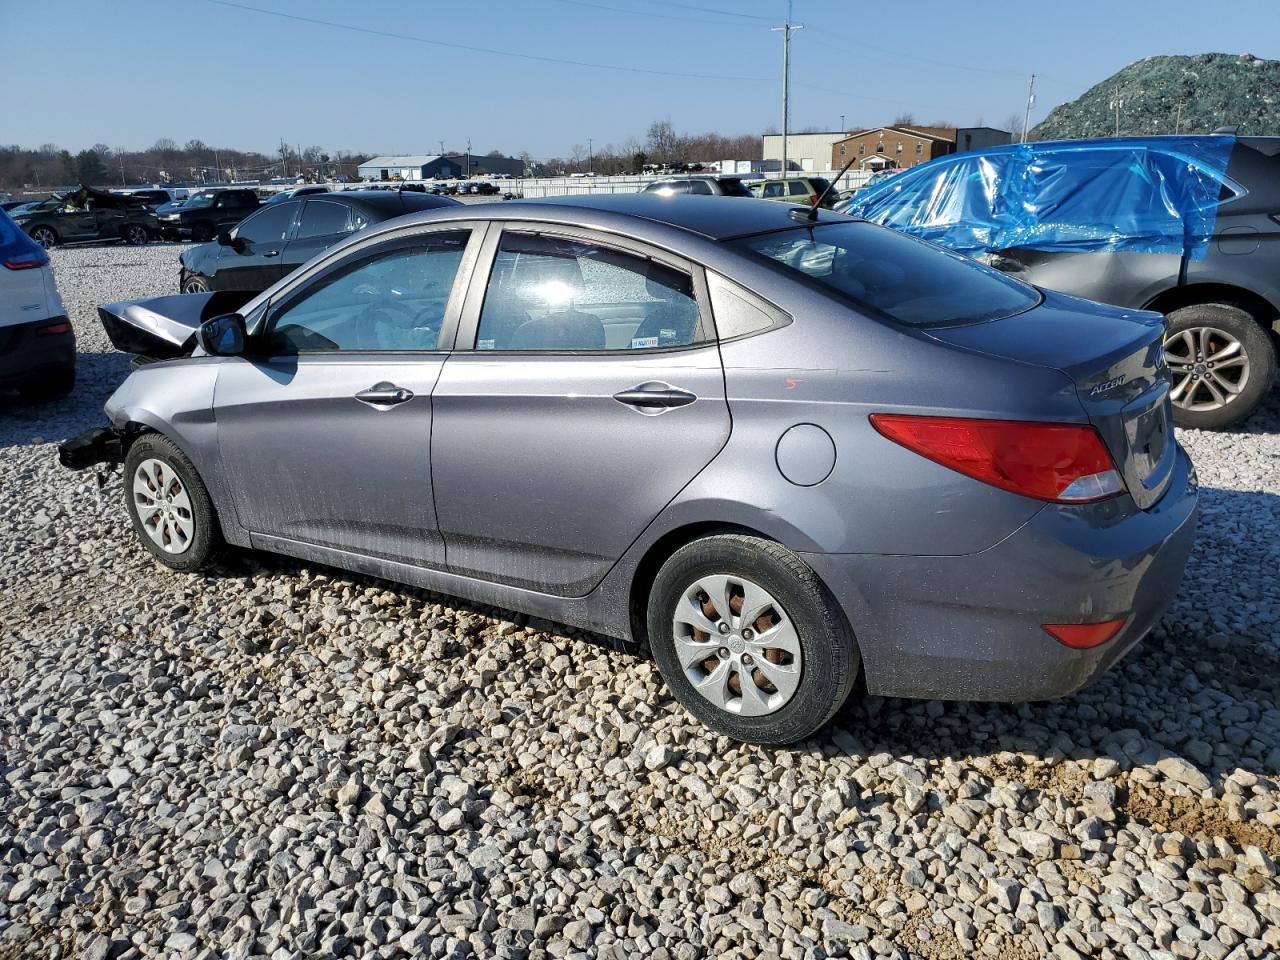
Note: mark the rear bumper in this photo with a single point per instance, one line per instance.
(969, 627)
(99, 445)
(28, 357)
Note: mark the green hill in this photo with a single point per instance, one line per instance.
(1187, 94)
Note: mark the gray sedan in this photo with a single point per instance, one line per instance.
(778, 447)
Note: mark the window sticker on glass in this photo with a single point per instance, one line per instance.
(485, 345)
(643, 343)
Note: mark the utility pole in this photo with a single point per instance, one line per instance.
(590, 153)
(1031, 98)
(466, 171)
(217, 162)
(786, 29)
(842, 130)
(121, 159)
(1177, 123)
(442, 148)
(1117, 102)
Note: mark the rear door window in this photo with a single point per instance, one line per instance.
(557, 294)
(320, 218)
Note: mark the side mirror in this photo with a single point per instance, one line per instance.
(224, 238)
(222, 336)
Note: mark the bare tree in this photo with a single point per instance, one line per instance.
(906, 119)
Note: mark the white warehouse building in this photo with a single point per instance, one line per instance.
(805, 151)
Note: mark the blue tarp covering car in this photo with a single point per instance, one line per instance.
(1145, 195)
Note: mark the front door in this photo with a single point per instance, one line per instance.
(255, 258)
(593, 395)
(325, 429)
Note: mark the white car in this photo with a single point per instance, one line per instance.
(37, 344)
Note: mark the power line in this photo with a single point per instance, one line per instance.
(717, 10)
(371, 31)
(649, 14)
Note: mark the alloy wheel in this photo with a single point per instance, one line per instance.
(45, 237)
(194, 285)
(736, 645)
(135, 235)
(1209, 368)
(163, 506)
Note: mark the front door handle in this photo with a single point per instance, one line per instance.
(655, 396)
(272, 253)
(384, 395)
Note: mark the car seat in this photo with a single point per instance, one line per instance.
(672, 319)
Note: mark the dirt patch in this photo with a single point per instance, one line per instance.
(1194, 816)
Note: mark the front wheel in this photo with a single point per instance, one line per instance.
(749, 640)
(1221, 362)
(194, 284)
(169, 505)
(135, 235)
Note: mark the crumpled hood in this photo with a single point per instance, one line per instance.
(165, 327)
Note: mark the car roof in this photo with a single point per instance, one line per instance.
(716, 218)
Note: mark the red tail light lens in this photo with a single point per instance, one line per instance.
(27, 261)
(61, 327)
(1057, 462)
(1082, 636)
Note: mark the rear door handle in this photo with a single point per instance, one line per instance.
(656, 396)
(384, 395)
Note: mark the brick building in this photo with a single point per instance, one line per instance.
(907, 146)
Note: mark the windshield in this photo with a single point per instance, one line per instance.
(905, 279)
(199, 201)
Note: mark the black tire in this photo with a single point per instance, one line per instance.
(201, 548)
(45, 235)
(1255, 344)
(829, 655)
(53, 387)
(194, 284)
(134, 234)
(203, 232)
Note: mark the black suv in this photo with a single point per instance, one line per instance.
(1187, 225)
(209, 213)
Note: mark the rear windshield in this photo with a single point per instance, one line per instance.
(906, 279)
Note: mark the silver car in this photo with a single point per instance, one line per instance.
(778, 447)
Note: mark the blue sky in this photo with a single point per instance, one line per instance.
(127, 72)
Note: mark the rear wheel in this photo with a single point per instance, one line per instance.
(749, 640)
(195, 284)
(1221, 362)
(45, 236)
(169, 505)
(135, 234)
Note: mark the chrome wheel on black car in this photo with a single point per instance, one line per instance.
(45, 236)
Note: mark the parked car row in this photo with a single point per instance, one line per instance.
(87, 214)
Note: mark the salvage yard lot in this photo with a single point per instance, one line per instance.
(283, 760)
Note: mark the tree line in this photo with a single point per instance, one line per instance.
(49, 167)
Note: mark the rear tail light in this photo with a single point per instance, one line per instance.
(1082, 636)
(1057, 462)
(60, 327)
(27, 260)
(813, 201)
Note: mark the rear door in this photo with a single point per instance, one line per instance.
(585, 392)
(322, 224)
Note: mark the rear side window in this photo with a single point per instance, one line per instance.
(734, 188)
(904, 279)
(798, 188)
(561, 294)
(700, 187)
(320, 218)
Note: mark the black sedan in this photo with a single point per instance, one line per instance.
(280, 237)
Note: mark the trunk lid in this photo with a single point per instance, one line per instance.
(1115, 358)
(165, 327)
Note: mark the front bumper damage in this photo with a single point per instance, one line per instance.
(99, 445)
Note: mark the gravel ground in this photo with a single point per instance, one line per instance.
(287, 761)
